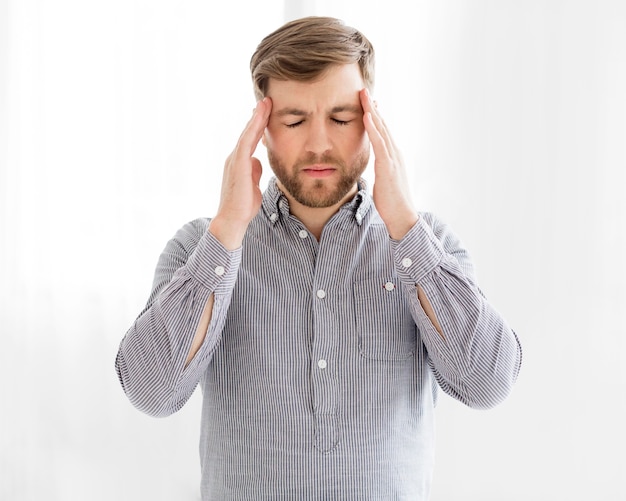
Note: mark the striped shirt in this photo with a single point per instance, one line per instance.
(320, 369)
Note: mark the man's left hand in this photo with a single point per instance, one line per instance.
(391, 189)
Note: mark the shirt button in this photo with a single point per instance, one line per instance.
(390, 286)
(321, 294)
(273, 217)
(219, 271)
(322, 364)
(303, 234)
(406, 262)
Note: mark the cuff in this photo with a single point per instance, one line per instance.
(418, 253)
(213, 266)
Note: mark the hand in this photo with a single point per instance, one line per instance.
(240, 198)
(391, 189)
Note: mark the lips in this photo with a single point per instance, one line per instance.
(319, 171)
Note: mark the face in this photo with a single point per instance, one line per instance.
(315, 138)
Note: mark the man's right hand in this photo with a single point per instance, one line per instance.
(240, 199)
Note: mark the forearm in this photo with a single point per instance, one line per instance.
(231, 237)
(201, 330)
(166, 350)
(474, 354)
(153, 356)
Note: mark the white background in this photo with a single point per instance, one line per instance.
(115, 119)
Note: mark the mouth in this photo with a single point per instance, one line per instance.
(319, 171)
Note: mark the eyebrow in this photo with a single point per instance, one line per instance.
(352, 108)
(291, 111)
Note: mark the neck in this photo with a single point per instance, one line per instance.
(315, 218)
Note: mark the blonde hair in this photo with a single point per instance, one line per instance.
(304, 49)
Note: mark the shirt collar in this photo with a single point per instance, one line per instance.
(275, 204)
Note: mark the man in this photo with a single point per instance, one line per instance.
(318, 320)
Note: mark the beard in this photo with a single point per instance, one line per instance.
(320, 193)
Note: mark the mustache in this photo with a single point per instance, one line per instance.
(313, 159)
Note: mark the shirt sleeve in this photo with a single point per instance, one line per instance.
(478, 358)
(151, 359)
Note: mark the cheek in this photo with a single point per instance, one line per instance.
(360, 143)
(272, 137)
(360, 150)
(282, 142)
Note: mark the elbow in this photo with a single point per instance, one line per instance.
(150, 399)
(153, 407)
(479, 391)
(494, 378)
(488, 389)
(484, 397)
(154, 404)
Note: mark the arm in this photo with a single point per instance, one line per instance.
(165, 353)
(475, 356)
(240, 200)
(391, 193)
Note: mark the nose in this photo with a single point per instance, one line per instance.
(318, 139)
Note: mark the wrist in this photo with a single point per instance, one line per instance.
(229, 233)
(398, 228)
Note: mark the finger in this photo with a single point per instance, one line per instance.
(376, 139)
(379, 122)
(373, 123)
(393, 154)
(252, 133)
(255, 127)
(369, 106)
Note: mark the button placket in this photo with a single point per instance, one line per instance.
(323, 371)
(328, 324)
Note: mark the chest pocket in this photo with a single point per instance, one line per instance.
(384, 323)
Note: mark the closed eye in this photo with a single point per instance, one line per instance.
(338, 122)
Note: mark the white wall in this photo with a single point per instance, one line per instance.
(114, 123)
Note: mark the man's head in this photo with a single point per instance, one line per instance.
(313, 70)
(303, 49)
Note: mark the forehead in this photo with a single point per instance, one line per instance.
(339, 85)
